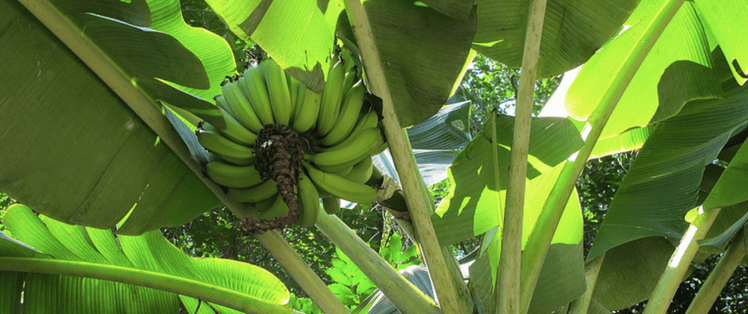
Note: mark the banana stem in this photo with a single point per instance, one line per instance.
(679, 263)
(507, 291)
(721, 273)
(300, 272)
(406, 169)
(401, 292)
(592, 269)
(539, 241)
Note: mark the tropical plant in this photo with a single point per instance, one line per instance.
(99, 101)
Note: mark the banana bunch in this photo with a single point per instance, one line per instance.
(285, 146)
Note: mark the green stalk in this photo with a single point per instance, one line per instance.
(401, 292)
(148, 110)
(402, 156)
(453, 267)
(507, 290)
(180, 285)
(721, 273)
(540, 238)
(591, 270)
(300, 272)
(679, 262)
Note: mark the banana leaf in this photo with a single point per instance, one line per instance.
(719, 17)
(666, 80)
(78, 152)
(435, 143)
(659, 189)
(61, 268)
(572, 31)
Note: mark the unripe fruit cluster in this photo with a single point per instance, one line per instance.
(284, 146)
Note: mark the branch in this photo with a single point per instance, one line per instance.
(507, 290)
(721, 273)
(418, 203)
(300, 272)
(679, 263)
(401, 292)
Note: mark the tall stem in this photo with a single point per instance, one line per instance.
(300, 272)
(721, 273)
(406, 169)
(401, 292)
(540, 238)
(591, 270)
(679, 263)
(510, 263)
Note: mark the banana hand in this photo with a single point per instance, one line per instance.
(233, 176)
(255, 193)
(341, 187)
(348, 117)
(308, 200)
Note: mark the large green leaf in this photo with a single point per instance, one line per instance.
(630, 272)
(72, 269)
(721, 17)
(456, 9)
(73, 150)
(667, 79)
(475, 205)
(471, 208)
(662, 184)
(626, 141)
(730, 190)
(659, 189)
(167, 52)
(572, 31)
(730, 195)
(299, 35)
(423, 54)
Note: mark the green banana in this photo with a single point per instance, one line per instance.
(254, 194)
(221, 103)
(280, 96)
(294, 87)
(331, 205)
(341, 187)
(240, 107)
(308, 200)
(361, 172)
(257, 93)
(341, 170)
(353, 151)
(348, 117)
(272, 208)
(233, 176)
(225, 148)
(366, 121)
(331, 97)
(306, 113)
(234, 130)
(351, 77)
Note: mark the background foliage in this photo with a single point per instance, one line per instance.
(489, 85)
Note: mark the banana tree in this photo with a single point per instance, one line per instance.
(100, 81)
